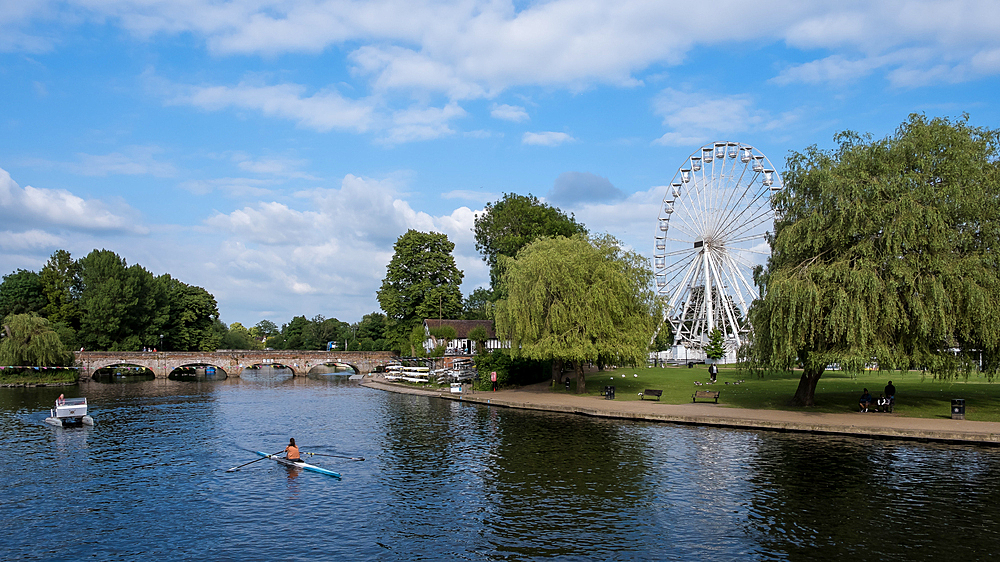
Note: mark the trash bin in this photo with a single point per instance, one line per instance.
(609, 393)
(958, 408)
(567, 383)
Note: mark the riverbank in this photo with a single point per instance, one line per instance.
(870, 424)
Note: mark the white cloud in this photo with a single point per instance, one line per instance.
(137, 161)
(478, 48)
(422, 123)
(696, 118)
(546, 138)
(34, 239)
(323, 110)
(60, 209)
(506, 112)
(835, 69)
(331, 253)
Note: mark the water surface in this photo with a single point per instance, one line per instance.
(447, 480)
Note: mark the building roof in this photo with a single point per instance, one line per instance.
(462, 327)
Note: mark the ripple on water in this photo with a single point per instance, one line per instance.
(452, 480)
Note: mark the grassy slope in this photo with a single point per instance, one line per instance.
(917, 395)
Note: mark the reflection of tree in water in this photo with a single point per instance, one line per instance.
(530, 481)
(566, 485)
(829, 498)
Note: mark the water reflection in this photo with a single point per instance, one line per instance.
(447, 480)
(267, 373)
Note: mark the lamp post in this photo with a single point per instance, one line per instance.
(161, 342)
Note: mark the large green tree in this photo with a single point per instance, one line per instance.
(421, 281)
(577, 300)
(122, 308)
(21, 292)
(192, 314)
(885, 249)
(29, 340)
(512, 223)
(61, 283)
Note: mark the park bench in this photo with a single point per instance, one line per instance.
(650, 392)
(706, 394)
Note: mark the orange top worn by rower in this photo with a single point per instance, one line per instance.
(291, 451)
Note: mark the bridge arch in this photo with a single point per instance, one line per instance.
(233, 362)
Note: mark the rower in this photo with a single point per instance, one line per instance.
(291, 451)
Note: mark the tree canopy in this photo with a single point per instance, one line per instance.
(421, 281)
(577, 300)
(28, 339)
(885, 250)
(21, 292)
(512, 223)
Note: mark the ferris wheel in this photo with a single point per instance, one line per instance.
(712, 231)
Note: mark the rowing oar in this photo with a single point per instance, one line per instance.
(337, 456)
(235, 468)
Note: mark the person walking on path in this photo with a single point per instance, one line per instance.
(713, 371)
(291, 451)
(493, 378)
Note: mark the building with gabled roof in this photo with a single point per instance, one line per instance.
(461, 345)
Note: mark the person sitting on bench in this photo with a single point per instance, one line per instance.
(866, 401)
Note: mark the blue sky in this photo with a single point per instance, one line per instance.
(272, 151)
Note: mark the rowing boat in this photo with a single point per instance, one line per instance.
(300, 464)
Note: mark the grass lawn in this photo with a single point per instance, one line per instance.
(11, 376)
(917, 395)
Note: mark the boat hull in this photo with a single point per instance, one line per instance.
(302, 465)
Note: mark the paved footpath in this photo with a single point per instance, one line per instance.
(871, 424)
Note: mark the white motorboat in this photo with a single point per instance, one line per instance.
(69, 411)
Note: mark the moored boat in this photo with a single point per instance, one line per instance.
(300, 464)
(69, 411)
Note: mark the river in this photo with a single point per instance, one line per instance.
(444, 480)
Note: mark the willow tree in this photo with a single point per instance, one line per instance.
(886, 250)
(29, 340)
(577, 300)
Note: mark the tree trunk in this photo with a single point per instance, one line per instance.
(557, 366)
(805, 394)
(581, 384)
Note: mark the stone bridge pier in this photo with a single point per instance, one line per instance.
(233, 362)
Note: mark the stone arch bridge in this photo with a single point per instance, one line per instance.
(233, 362)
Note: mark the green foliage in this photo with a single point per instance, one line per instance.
(510, 224)
(121, 307)
(577, 300)
(511, 371)
(446, 333)
(192, 314)
(21, 293)
(416, 342)
(421, 281)
(885, 249)
(479, 335)
(665, 337)
(477, 305)
(715, 349)
(29, 339)
(238, 336)
(265, 329)
(62, 286)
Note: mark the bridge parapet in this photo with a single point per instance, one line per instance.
(162, 363)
